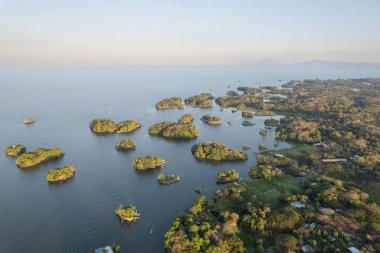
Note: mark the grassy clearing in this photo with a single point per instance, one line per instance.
(297, 151)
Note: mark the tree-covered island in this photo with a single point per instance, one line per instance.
(37, 157)
(216, 151)
(211, 120)
(170, 103)
(60, 174)
(148, 162)
(127, 126)
(174, 130)
(186, 119)
(204, 100)
(227, 176)
(126, 145)
(127, 213)
(167, 179)
(105, 125)
(15, 150)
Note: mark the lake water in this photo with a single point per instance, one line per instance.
(78, 215)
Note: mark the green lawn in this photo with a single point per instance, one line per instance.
(297, 151)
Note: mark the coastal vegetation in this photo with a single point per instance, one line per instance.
(126, 145)
(148, 162)
(127, 126)
(211, 120)
(326, 201)
(204, 100)
(168, 179)
(227, 176)
(127, 213)
(216, 151)
(37, 157)
(186, 119)
(60, 174)
(170, 103)
(15, 150)
(174, 130)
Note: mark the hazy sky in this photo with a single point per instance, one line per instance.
(114, 32)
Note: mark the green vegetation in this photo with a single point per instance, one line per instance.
(298, 152)
(157, 128)
(103, 125)
(216, 151)
(247, 123)
(211, 120)
(264, 171)
(29, 121)
(126, 145)
(15, 150)
(204, 100)
(336, 205)
(247, 114)
(37, 157)
(271, 122)
(148, 162)
(246, 147)
(262, 146)
(170, 103)
(127, 126)
(186, 119)
(227, 176)
(169, 129)
(167, 179)
(298, 130)
(230, 123)
(128, 213)
(263, 131)
(233, 93)
(60, 174)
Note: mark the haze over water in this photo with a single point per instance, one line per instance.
(78, 215)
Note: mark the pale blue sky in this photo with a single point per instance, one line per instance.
(116, 32)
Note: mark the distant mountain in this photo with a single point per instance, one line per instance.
(337, 64)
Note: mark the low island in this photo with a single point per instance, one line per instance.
(204, 100)
(127, 213)
(216, 151)
(170, 103)
(60, 174)
(211, 120)
(148, 162)
(167, 179)
(227, 176)
(247, 123)
(127, 126)
(174, 130)
(186, 119)
(15, 150)
(37, 157)
(126, 145)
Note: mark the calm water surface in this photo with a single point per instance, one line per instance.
(78, 215)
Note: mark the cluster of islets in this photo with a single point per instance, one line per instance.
(38, 156)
